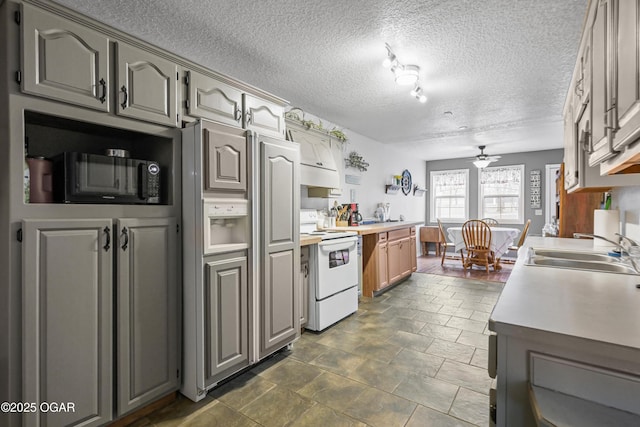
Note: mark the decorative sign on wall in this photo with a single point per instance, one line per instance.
(534, 181)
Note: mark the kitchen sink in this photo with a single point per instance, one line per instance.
(606, 267)
(577, 260)
(571, 255)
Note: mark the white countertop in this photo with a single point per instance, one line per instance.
(603, 307)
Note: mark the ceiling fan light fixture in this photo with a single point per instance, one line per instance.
(482, 163)
(407, 75)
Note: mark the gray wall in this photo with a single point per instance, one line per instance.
(532, 160)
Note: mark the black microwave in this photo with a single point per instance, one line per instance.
(95, 178)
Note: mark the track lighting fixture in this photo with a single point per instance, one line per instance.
(416, 92)
(405, 75)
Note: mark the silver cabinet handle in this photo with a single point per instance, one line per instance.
(248, 116)
(238, 115)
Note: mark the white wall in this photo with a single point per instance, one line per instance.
(627, 201)
(384, 161)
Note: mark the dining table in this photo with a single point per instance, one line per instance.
(501, 239)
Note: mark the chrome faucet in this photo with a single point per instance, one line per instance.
(623, 249)
(631, 241)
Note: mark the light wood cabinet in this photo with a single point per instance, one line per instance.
(67, 320)
(383, 263)
(387, 258)
(399, 262)
(64, 60)
(226, 300)
(279, 250)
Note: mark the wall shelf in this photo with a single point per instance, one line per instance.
(392, 189)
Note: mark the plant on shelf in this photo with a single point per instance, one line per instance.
(310, 124)
(355, 161)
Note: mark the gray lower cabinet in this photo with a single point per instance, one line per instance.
(279, 249)
(67, 320)
(69, 326)
(147, 311)
(305, 279)
(226, 320)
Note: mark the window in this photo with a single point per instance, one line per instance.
(449, 195)
(501, 192)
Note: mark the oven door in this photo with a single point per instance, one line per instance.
(337, 266)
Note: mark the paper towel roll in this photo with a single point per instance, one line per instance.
(606, 224)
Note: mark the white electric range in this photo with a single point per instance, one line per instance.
(333, 285)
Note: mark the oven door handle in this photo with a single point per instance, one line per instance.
(333, 246)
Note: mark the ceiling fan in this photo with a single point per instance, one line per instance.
(483, 160)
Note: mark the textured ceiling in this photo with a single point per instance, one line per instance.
(501, 67)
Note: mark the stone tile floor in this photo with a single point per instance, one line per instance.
(414, 356)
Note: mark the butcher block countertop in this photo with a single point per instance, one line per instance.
(306, 240)
(379, 227)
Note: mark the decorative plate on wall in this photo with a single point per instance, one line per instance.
(406, 182)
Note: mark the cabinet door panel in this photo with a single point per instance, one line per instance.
(383, 273)
(211, 99)
(600, 148)
(413, 254)
(226, 317)
(279, 211)
(280, 317)
(147, 86)
(64, 60)
(147, 310)
(263, 117)
(67, 303)
(627, 77)
(225, 158)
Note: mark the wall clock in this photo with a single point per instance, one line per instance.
(405, 183)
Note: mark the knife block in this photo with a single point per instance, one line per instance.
(342, 223)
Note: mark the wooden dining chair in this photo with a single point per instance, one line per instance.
(523, 236)
(477, 239)
(490, 221)
(445, 243)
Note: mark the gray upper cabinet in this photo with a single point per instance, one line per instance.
(147, 86)
(211, 99)
(67, 320)
(147, 307)
(226, 301)
(601, 146)
(279, 249)
(64, 60)
(224, 158)
(626, 73)
(264, 117)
